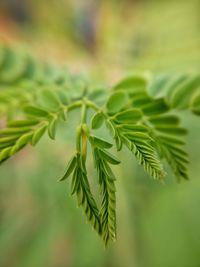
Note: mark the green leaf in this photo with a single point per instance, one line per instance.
(117, 101)
(24, 139)
(140, 99)
(14, 131)
(165, 120)
(129, 116)
(171, 140)
(99, 96)
(172, 130)
(52, 127)
(10, 139)
(111, 128)
(100, 142)
(172, 150)
(182, 95)
(22, 123)
(108, 157)
(38, 134)
(157, 106)
(132, 128)
(97, 120)
(4, 154)
(137, 136)
(195, 104)
(35, 111)
(118, 142)
(108, 197)
(70, 168)
(134, 83)
(80, 186)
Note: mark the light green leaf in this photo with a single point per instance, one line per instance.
(14, 131)
(22, 123)
(4, 154)
(129, 116)
(111, 128)
(117, 101)
(97, 120)
(70, 168)
(100, 142)
(108, 157)
(35, 111)
(52, 127)
(38, 134)
(134, 83)
(24, 139)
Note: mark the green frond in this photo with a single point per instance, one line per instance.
(170, 145)
(81, 187)
(138, 111)
(108, 197)
(137, 139)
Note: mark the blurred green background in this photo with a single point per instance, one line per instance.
(158, 225)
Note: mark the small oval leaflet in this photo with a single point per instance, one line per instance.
(135, 83)
(38, 134)
(117, 101)
(97, 120)
(129, 116)
(52, 127)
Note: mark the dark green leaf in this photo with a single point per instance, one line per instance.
(172, 130)
(157, 106)
(165, 119)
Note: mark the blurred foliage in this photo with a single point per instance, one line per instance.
(158, 225)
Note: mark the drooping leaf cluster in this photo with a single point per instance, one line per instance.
(139, 113)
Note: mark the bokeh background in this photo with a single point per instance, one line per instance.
(158, 225)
